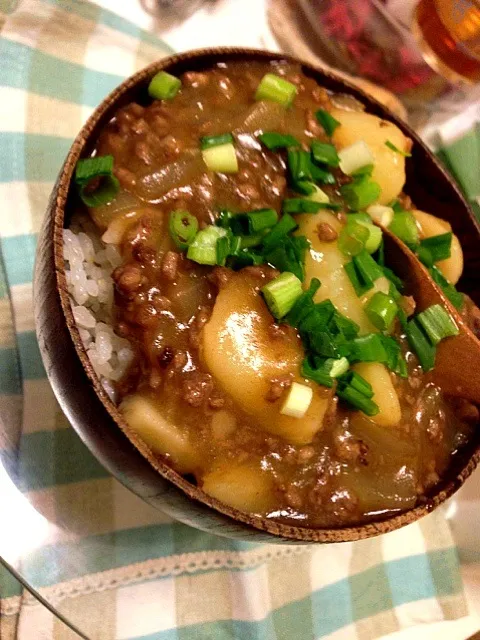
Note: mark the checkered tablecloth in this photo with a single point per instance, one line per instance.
(108, 562)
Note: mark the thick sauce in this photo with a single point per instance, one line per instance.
(353, 469)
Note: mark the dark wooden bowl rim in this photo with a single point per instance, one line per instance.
(123, 94)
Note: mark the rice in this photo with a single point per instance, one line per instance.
(89, 263)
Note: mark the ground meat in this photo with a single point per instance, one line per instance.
(128, 278)
(278, 331)
(172, 146)
(435, 431)
(146, 316)
(197, 325)
(144, 153)
(312, 124)
(349, 449)
(305, 454)
(248, 192)
(320, 95)
(407, 303)
(180, 359)
(326, 233)
(262, 271)
(465, 410)
(293, 497)
(170, 265)
(155, 379)
(216, 401)
(342, 503)
(220, 276)
(126, 178)
(197, 388)
(277, 387)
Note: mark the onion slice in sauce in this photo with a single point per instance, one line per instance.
(153, 186)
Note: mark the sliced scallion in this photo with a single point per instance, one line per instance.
(355, 157)
(391, 146)
(421, 345)
(367, 267)
(437, 323)
(281, 294)
(357, 400)
(438, 246)
(327, 121)
(95, 180)
(183, 228)
(299, 398)
(368, 348)
(404, 227)
(316, 373)
(352, 238)
(275, 141)
(207, 142)
(303, 305)
(284, 226)
(380, 214)
(306, 205)
(221, 158)
(358, 382)
(361, 287)
(203, 249)
(223, 249)
(317, 195)
(325, 153)
(455, 297)
(164, 86)
(276, 89)
(381, 310)
(360, 193)
(261, 219)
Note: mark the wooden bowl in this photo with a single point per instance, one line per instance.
(97, 420)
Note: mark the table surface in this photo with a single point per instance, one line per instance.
(241, 22)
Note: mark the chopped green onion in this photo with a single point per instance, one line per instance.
(281, 294)
(223, 248)
(183, 228)
(325, 153)
(317, 374)
(323, 344)
(396, 206)
(403, 319)
(261, 219)
(221, 159)
(364, 172)
(366, 266)
(304, 205)
(203, 249)
(394, 279)
(421, 345)
(276, 89)
(336, 367)
(318, 317)
(95, 180)
(450, 291)
(304, 304)
(299, 165)
(425, 256)
(393, 292)
(368, 348)
(317, 195)
(247, 242)
(303, 186)
(357, 400)
(395, 361)
(164, 86)
(327, 121)
(358, 382)
(355, 157)
(207, 142)
(439, 246)
(288, 255)
(437, 323)
(298, 400)
(352, 238)
(381, 310)
(404, 226)
(244, 258)
(322, 176)
(284, 226)
(224, 218)
(275, 141)
(380, 214)
(340, 324)
(391, 146)
(361, 287)
(380, 257)
(360, 193)
(374, 239)
(363, 218)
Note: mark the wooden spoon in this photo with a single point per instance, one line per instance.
(457, 364)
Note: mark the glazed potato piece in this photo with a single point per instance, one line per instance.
(161, 436)
(325, 261)
(241, 353)
(385, 395)
(432, 226)
(389, 170)
(242, 487)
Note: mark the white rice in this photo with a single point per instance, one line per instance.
(89, 263)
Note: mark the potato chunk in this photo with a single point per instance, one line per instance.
(243, 356)
(384, 392)
(389, 170)
(242, 487)
(325, 261)
(432, 226)
(163, 437)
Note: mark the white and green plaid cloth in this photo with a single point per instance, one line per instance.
(108, 562)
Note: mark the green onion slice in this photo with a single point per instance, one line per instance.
(381, 310)
(325, 153)
(214, 141)
(404, 226)
(391, 146)
(281, 293)
(352, 238)
(183, 228)
(439, 246)
(276, 89)
(437, 323)
(360, 193)
(203, 249)
(305, 205)
(275, 141)
(261, 219)
(284, 226)
(361, 287)
(327, 121)
(164, 86)
(304, 304)
(357, 400)
(358, 382)
(368, 348)
(95, 180)
(450, 291)
(421, 345)
(221, 158)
